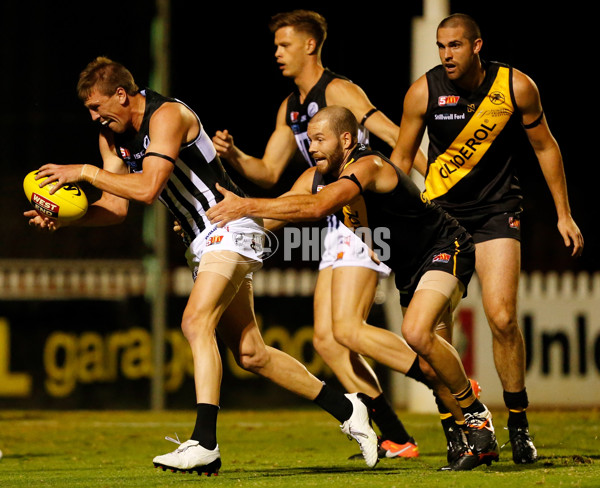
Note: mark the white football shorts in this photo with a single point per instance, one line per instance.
(244, 236)
(342, 247)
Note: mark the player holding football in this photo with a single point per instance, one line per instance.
(155, 148)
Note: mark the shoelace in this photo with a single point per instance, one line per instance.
(519, 439)
(176, 440)
(350, 433)
(474, 420)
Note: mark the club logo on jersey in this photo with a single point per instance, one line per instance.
(442, 257)
(125, 154)
(312, 109)
(496, 97)
(514, 223)
(448, 100)
(294, 117)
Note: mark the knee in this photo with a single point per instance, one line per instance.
(346, 333)
(198, 325)
(503, 323)
(420, 341)
(325, 345)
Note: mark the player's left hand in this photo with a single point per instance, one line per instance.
(228, 209)
(41, 222)
(61, 174)
(571, 235)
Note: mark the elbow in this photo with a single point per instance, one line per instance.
(148, 196)
(119, 218)
(148, 199)
(268, 181)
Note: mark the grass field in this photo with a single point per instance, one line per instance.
(276, 448)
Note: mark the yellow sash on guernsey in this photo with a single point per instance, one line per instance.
(474, 140)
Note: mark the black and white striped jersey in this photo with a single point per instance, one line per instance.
(298, 114)
(191, 189)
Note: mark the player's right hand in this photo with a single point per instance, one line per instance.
(41, 222)
(223, 142)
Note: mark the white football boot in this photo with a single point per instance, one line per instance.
(358, 427)
(188, 457)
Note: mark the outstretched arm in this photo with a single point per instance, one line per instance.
(369, 171)
(549, 157)
(290, 208)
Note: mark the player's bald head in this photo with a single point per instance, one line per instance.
(339, 120)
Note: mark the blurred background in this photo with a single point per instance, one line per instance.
(223, 66)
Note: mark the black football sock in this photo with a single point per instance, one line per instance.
(385, 418)
(417, 374)
(517, 403)
(205, 430)
(334, 402)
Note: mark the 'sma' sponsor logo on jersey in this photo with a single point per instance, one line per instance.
(448, 100)
(125, 154)
(313, 108)
(443, 257)
(514, 223)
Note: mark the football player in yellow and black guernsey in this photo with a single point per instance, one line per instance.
(430, 253)
(472, 110)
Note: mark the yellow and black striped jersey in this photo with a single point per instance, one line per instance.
(471, 142)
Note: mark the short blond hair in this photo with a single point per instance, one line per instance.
(105, 75)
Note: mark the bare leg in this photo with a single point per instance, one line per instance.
(350, 307)
(353, 372)
(240, 333)
(498, 267)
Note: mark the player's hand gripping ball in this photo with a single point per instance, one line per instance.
(68, 203)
